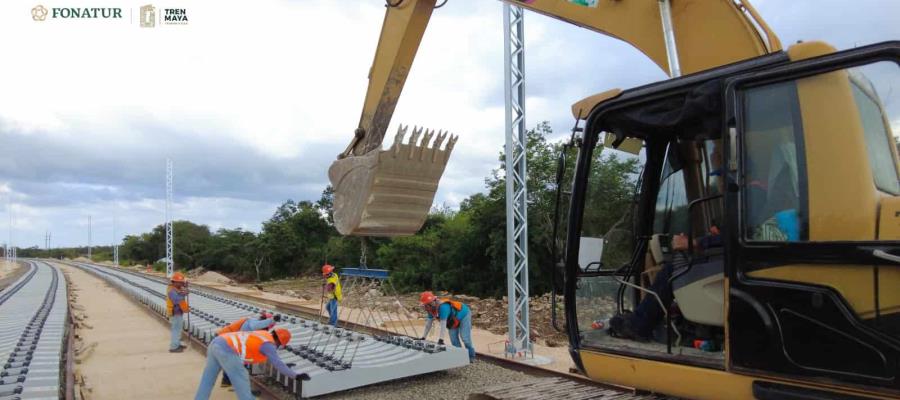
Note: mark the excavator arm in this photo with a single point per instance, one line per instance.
(389, 192)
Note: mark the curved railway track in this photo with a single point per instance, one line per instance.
(33, 331)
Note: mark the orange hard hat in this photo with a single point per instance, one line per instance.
(327, 269)
(178, 277)
(283, 335)
(427, 297)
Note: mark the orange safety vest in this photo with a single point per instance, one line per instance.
(248, 344)
(455, 307)
(233, 327)
(170, 307)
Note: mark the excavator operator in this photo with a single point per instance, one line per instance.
(647, 315)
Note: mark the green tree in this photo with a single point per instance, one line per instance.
(295, 238)
(233, 251)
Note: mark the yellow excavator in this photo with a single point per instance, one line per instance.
(777, 168)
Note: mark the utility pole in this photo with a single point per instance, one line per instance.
(516, 190)
(170, 250)
(89, 239)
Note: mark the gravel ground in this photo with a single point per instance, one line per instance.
(453, 384)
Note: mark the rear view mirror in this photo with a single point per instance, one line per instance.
(590, 253)
(628, 145)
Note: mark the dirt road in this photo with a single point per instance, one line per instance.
(10, 272)
(130, 359)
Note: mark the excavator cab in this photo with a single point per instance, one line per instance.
(782, 173)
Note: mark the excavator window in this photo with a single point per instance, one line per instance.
(690, 168)
(771, 170)
(802, 137)
(877, 129)
(671, 216)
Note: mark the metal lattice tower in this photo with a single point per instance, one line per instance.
(516, 191)
(170, 249)
(115, 244)
(89, 237)
(9, 243)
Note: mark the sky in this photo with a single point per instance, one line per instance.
(252, 101)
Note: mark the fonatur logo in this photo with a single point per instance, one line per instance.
(40, 13)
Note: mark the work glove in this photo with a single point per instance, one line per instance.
(440, 341)
(277, 317)
(421, 338)
(290, 365)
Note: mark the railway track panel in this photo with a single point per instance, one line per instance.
(336, 359)
(33, 318)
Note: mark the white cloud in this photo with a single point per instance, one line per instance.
(255, 99)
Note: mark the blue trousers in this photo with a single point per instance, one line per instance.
(464, 331)
(177, 321)
(648, 314)
(332, 308)
(221, 357)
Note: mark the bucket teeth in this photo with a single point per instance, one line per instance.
(398, 139)
(439, 140)
(428, 147)
(413, 140)
(451, 143)
(424, 144)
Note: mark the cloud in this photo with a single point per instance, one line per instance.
(253, 101)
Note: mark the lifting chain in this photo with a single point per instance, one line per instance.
(362, 252)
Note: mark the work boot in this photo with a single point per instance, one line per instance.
(177, 349)
(256, 392)
(622, 326)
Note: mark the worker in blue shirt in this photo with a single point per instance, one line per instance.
(230, 351)
(453, 315)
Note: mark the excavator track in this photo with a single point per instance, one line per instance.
(556, 388)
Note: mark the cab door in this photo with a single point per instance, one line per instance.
(814, 262)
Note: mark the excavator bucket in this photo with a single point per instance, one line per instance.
(389, 192)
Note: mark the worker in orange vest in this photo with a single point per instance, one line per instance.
(266, 321)
(454, 315)
(176, 307)
(230, 351)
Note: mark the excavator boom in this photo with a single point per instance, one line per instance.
(389, 192)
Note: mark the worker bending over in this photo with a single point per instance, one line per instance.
(332, 291)
(176, 307)
(454, 315)
(230, 351)
(266, 321)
